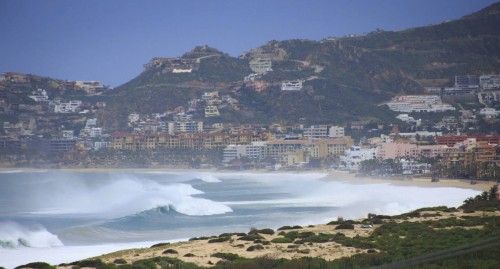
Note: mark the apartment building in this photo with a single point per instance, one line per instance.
(336, 131)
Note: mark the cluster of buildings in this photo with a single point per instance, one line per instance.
(261, 65)
(418, 103)
(415, 157)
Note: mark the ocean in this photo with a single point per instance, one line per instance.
(63, 216)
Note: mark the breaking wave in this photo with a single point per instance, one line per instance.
(13, 235)
(209, 178)
(125, 196)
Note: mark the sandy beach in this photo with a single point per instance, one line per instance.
(345, 176)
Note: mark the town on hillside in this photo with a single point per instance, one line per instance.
(430, 134)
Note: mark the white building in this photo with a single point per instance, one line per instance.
(95, 132)
(253, 151)
(39, 95)
(211, 111)
(489, 82)
(489, 112)
(336, 131)
(294, 85)
(68, 134)
(210, 95)
(183, 117)
(261, 65)
(411, 167)
(355, 155)
(316, 131)
(92, 122)
(67, 107)
(185, 127)
(250, 77)
(232, 152)
(89, 87)
(133, 118)
(181, 70)
(418, 103)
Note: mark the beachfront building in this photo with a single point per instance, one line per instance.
(252, 151)
(394, 150)
(412, 167)
(352, 158)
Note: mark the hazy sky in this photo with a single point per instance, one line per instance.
(111, 40)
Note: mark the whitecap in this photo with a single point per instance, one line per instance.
(14, 235)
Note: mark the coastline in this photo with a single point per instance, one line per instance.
(343, 176)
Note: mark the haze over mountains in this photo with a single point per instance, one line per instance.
(344, 79)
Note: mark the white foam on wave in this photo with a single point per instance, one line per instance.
(14, 235)
(124, 196)
(356, 200)
(207, 177)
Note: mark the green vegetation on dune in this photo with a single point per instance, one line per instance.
(470, 241)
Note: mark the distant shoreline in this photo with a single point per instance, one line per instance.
(332, 175)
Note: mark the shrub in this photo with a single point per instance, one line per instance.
(262, 231)
(189, 255)
(255, 247)
(289, 227)
(170, 251)
(219, 239)
(201, 238)
(226, 256)
(231, 234)
(37, 265)
(282, 240)
(159, 245)
(345, 226)
(120, 261)
(251, 237)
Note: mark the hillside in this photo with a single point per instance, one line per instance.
(345, 78)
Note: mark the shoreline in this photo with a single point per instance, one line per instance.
(331, 175)
(480, 185)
